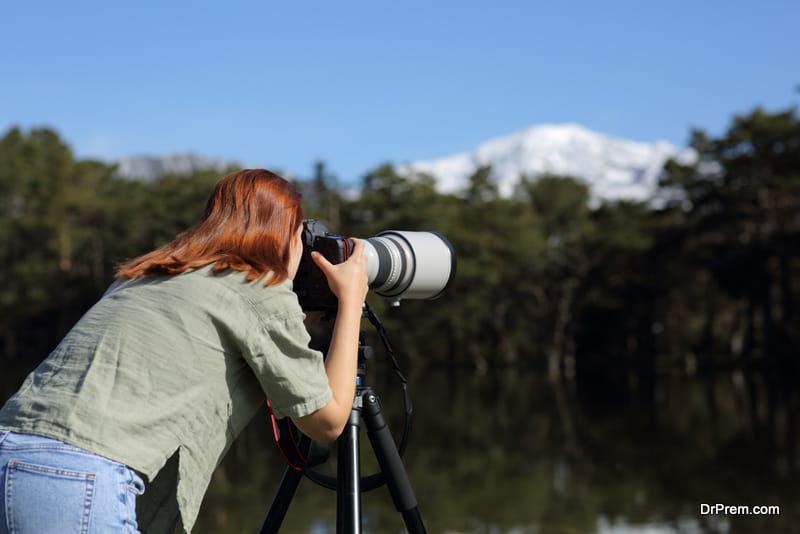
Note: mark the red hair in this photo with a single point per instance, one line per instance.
(248, 225)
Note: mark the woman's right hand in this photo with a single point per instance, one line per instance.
(347, 280)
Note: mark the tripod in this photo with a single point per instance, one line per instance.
(348, 482)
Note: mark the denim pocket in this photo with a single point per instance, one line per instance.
(63, 499)
(132, 486)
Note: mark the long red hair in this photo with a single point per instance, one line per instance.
(248, 225)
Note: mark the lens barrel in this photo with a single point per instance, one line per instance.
(409, 265)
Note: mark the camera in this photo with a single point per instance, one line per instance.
(400, 265)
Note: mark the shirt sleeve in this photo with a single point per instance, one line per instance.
(292, 374)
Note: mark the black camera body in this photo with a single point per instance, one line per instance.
(310, 284)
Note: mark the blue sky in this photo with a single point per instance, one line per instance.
(281, 84)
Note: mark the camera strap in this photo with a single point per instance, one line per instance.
(408, 407)
(298, 450)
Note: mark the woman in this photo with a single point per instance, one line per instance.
(158, 378)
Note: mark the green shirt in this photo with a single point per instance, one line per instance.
(173, 368)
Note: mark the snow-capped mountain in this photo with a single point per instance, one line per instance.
(180, 163)
(613, 168)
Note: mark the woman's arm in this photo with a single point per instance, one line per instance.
(348, 281)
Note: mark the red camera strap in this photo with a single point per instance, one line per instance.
(287, 437)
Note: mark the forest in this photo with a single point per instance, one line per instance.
(609, 304)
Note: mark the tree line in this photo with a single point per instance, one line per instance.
(604, 299)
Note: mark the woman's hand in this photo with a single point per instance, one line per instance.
(347, 280)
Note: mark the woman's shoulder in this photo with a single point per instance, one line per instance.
(217, 290)
(274, 300)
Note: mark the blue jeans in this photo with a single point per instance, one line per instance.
(47, 486)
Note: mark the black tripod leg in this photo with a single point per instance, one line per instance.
(348, 485)
(281, 501)
(391, 464)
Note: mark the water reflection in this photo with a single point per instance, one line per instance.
(506, 453)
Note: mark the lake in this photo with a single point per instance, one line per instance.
(506, 452)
